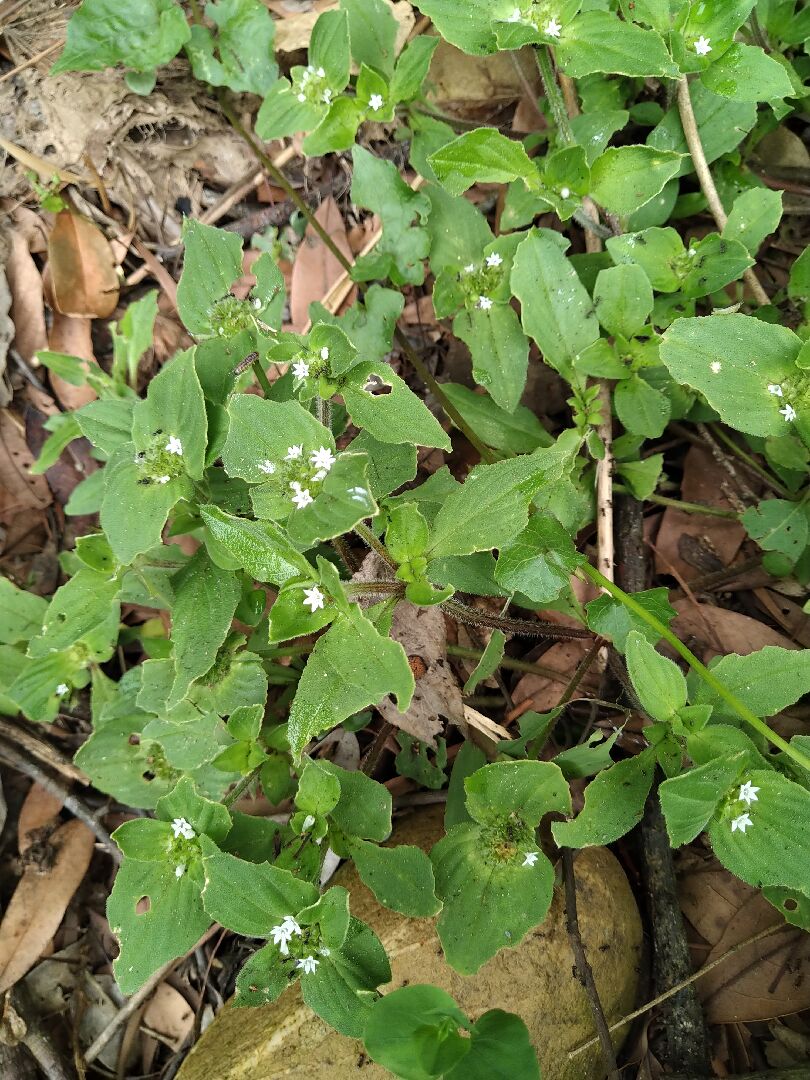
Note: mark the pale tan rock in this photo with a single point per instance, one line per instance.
(534, 980)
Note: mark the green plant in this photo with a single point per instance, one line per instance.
(259, 482)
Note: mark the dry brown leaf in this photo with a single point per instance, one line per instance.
(39, 809)
(716, 538)
(71, 335)
(27, 299)
(422, 634)
(475, 86)
(544, 692)
(19, 491)
(40, 900)
(169, 1016)
(788, 614)
(82, 267)
(6, 333)
(714, 631)
(316, 269)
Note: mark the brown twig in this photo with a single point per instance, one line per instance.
(526, 628)
(583, 968)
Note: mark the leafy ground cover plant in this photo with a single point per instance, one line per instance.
(277, 451)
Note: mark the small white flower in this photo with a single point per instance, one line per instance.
(309, 820)
(565, 193)
(318, 476)
(300, 369)
(494, 259)
(789, 413)
(221, 329)
(324, 353)
(715, 367)
(181, 827)
(469, 268)
(691, 253)
(327, 96)
(324, 951)
(302, 98)
(162, 479)
(775, 388)
(291, 924)
(294, 452)
(741, 823)
(313, 599)
(267, 467)
(748, 793)
(302, 498)
(62, 689)
(321, 73)
(531, 858)
(375, 102)
(281, 935)
(308, 965)
(484, 303)
(179, 870)
(553, 28)
(322, 458)
(702, 46)
(516, 16)
(257, 304)
(174, 446)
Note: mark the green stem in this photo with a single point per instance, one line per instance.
(261, 378)
(707, 676)
(368, 538)
(554, 94)
(242, 786)
(688, 507)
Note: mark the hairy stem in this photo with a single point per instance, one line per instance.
(554, 94)
(368, 538)
(261, 378)
(525, 627)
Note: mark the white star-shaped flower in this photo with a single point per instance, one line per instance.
(327, 96)
(62, 689)
(290, 922)
(702, 46)
(469, 268)
(494, 259)
(174, 446)
(281, 935)
(321, 73)
(741, 823)
(775, 388)
(322, 458)
(162, 479)
(484, 303)
(748, 793)
(302, 498)
(565, 192)
(789, 413)
(300, 369)
(308, 964)
(179, 870)
(302, 98)
(375, 102)
(313, 599)
(181, 827)
(531, 858)
(715, 367)
(324, 353)
(293, 453)
(552, 27)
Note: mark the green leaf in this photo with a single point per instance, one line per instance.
(499, 1045)
(36, 690)
(318, 789)
(517, 432)
(555, 308)
(344, 499)
(250, 898)
(21, 613)
(766, 681)
(657, 681)
(174, 921)
(351, 667)
(211, 264)
(641, 408)
(174, 408)
(141, 34)
(713, 263)
(205, 602)
(85, 609)
(290, 618)
(136, 772)
(585, 759)
(773, 849)
(412, 68)
(468, 28)
(281, 113)
(373, 33)
(482, 156)
(260, 547)
(507, 790)
(799, 281)
(499, 350)
(756, 213)
(614, 804)
(381, 402)
(378, 186)
(623, 299)
(108, 423)
(659, 252)
(539, 561)
(400, 877)
(747, 73)
(364, 807)
(599, 41)
(329, 47)
(489, 662)
(721, 123)
(336, 130)
(262, 978)
(458, 231)
(64, 429)
(389, 465)
(731, 360)
(626, 177)
(261, 431)
(412, 1032)
(688, 801)
(133, 335)
(244, 43)
(208, 818)
(778, 525)
(609, 618)
(368, 325)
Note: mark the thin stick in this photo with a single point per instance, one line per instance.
(23, 739)
(476, 617)
(692, 135)
(132, 1003)
(681, 985)
(70, 802)
(31, 60)
(583, 968)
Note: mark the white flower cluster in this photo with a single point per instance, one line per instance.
(283, 934)
(300, 368)
(552, 27)
(181, 827)
(787, 409)
(491, 262)
(747, 795)
(320, 460)
(309, 75)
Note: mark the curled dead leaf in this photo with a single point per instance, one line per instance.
(316, 269)
(82, 267)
